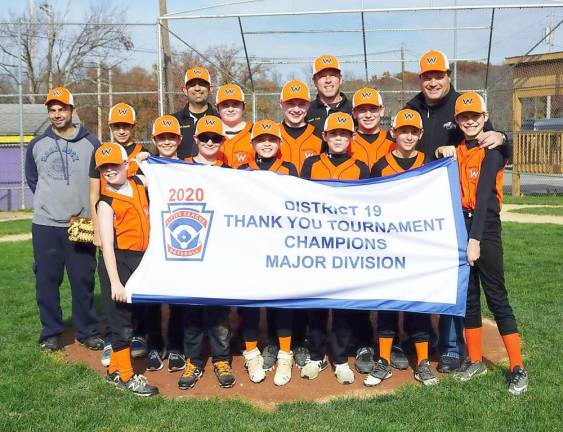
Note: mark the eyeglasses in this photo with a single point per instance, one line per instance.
(215, 139)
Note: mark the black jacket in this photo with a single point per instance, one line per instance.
(187, 122)
(439, 123)
(319, 111)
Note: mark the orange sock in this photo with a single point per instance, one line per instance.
(473, 341)
(385, 345)
(285, 343)
(250, 345)
(421, 351)
(124, 364)
(512, 345)
(113, 366)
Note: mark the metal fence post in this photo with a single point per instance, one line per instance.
(20, 101)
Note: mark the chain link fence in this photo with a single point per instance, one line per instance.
(379, 48)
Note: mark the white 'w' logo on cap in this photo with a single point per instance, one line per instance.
(105, 152)
(266, 126)
(57, 93)
(167, 123)
(431, 60)
(122, 111)
(467, 101)
(366, 94)
(229, 91)
(341, 119)
(295, 89)
(408, 116)
(209, 122)
(326, 60)
(197, 72)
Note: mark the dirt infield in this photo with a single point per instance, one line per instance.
(266, 395)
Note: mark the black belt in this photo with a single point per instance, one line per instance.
(468, 214)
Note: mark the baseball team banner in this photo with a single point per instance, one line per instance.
(256, 238)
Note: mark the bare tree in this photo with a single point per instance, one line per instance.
(60, 54)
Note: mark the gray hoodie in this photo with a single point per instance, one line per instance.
(56, 170)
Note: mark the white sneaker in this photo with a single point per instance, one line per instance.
(283, 368)
(313, 368)
(344, 374)
(254, 363)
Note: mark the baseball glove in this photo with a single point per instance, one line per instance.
(81, 230)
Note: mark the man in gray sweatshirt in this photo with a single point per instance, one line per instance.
(56, 169)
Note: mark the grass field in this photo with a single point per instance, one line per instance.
(15, 227)
(44, 392)
(530, 199)
(550, 211)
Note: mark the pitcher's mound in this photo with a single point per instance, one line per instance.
(266, 395)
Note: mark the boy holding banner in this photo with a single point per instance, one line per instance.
(407, 131)
(266, 139)
(481, 172)
(123, 218)
(336, 164)
(370, 143)
(208, 138)
(167, 137)
(121, 120)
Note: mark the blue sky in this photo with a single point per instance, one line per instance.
(515, 31)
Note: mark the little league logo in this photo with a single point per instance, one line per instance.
(185, 229)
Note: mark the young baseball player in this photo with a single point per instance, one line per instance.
(230, 104)
(208, 137)
(121, 120)
(298, 143)
(266, 140)
(167, 137)
(407, 131)
(481, 173)
(371, 142)
(298, 139)
(336, 164)
(123, 217)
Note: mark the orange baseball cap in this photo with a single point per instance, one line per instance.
(434, 60)
(166, 124)
(122, 113)
(295, 89)
(367, 96)
(210, 124)
(110, 153)
(60, 94)
(197, 72)
(325, 61)
(229, 92)
(407, 117)
(470, 102)
(265, 127)
(339, 120)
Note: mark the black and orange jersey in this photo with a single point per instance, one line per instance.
(481, 179)
(370, 148)
(391, 164)
(218, 162)
(132, 151)
(237, 149)
(131, 216)
(275, 164)
(334, 167)
(298, 144)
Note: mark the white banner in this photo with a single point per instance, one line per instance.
(256, 238)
